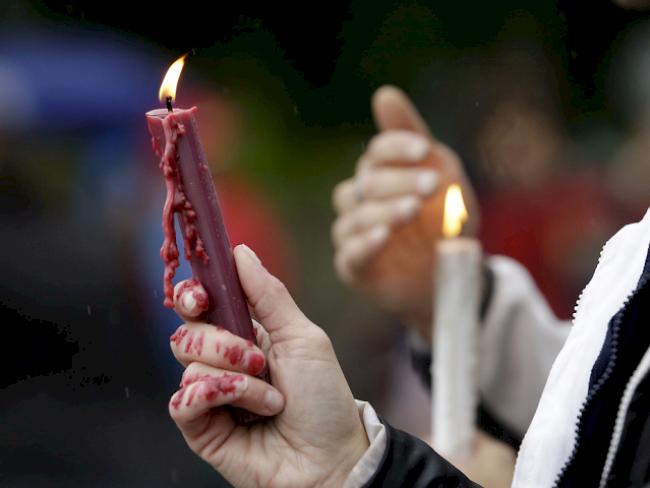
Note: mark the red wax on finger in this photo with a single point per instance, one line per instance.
(188, 343)
(192, 196)
(198, 345)
(234, 354)
(191, 289)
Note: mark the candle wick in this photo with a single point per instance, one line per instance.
(168, 102)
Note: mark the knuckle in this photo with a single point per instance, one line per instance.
(389, 140)
(370, 183)
(342, 268)
(357, 248)
(178, 336)
(375, 143)
(366, 214)
(173, 413)
(174, 406)
(276, 288)
(338, 195)
(320, 339)
(191, 371)
(447, 158)
(336, 231)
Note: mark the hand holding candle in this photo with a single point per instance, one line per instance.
(390, 212)
(312, 435)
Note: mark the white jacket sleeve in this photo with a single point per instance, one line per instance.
(519, 341)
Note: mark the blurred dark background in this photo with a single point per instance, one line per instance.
(547, 103)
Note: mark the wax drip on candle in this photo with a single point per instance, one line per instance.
(175, 202)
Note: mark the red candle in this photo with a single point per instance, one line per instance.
(192, 196)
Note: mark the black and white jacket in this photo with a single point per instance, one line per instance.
(591, 427)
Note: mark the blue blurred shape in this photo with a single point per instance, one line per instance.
(68, 78)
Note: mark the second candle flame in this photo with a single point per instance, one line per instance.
(170, 81)
(455, 214)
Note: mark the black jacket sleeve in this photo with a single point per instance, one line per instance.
(410, 462)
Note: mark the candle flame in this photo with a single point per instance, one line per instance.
(455, 212)
(169, 82)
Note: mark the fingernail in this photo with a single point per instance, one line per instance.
(426, 182)
(407, 207)
(273, 400)
(378, 234)
(251, 254)
(191, 298)
(189, 305)
(417, 149)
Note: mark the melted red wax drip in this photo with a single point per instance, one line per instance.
(223, 385)
(233, 354)
(175, 202)
(178, 336)
(198, 345)
(188, 343)
(256, 363)
(209, 389)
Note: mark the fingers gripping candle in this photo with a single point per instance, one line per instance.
(192, 196)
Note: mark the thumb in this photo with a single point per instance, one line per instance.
(270, 299)
(392, 109)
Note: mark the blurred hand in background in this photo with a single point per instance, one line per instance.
(390, 212)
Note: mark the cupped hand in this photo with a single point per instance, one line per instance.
(389, 214)
(311, 434)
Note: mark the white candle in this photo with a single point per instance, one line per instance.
(455, 335)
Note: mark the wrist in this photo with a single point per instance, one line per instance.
(349, 457)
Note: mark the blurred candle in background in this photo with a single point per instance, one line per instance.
(455, 333)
